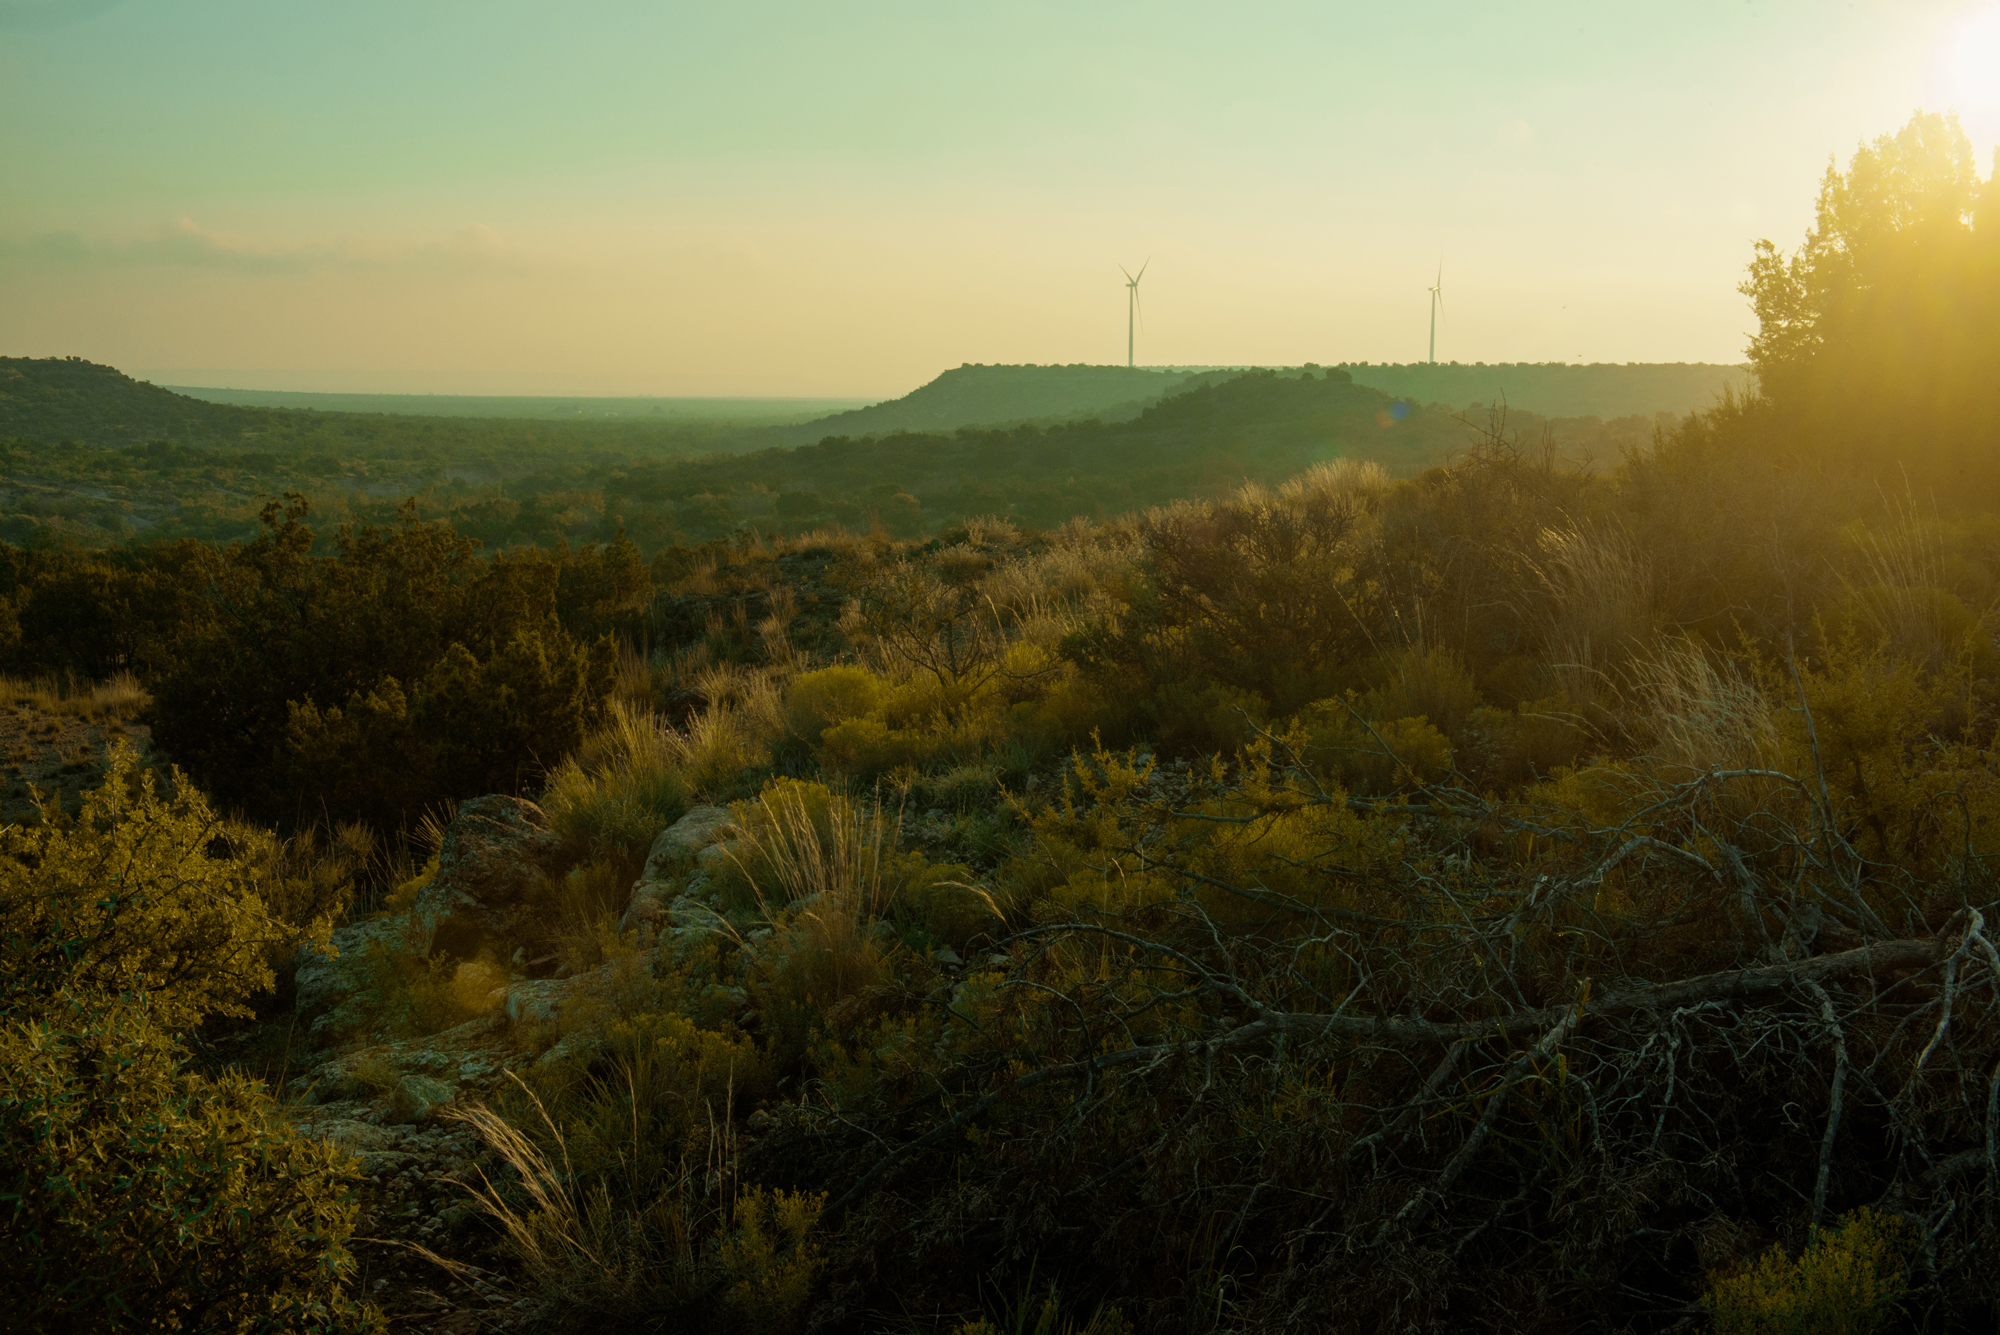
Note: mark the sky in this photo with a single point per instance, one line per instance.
(659, 197)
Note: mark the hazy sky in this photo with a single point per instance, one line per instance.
(794, 198)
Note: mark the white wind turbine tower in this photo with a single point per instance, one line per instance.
(1437, 304)
(1131, 305)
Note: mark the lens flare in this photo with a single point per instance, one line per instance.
(1975, 59)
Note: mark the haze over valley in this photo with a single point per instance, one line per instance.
(999, 670)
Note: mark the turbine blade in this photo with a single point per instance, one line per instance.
(1128, 273)
(1142, 268)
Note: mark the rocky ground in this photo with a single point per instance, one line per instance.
(57, 744)
(430, 1257)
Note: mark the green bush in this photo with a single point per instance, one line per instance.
(1847, 1281)
(138, 1196)
(143, 891)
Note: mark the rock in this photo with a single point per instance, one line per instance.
(948, 957)
(494, 854)
(417, 1097)
(688, 923)
(682, 842)
(758, 1122)
(538, 1001)
(716, 859)
(577, 1047)
(325, 980)
(355, 1137)
(329, 1082)
(649, 901)
(998, 961)
(383, 1163)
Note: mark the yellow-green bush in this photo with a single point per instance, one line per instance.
(139, 1196)
(655, 1078)
(142, 891)
(772, 1256)
(1342, 746)
(403, 899)
(415, 994)
(142, 1196)
(816, 701)
(1847, 1281)
(622, 786)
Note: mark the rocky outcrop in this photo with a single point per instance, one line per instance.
(494, 857)
(331, 985)
(679, 844)
(416, 1098)
(674, 853)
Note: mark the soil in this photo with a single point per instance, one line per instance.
(58, 753)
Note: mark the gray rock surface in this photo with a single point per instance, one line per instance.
(686, 924)
(356, 1136)
(537, 1001)
(643, 912)
(494, 856)
(673, 856)
(325, 980)
(715, 859)
(417, 1097)
(680, 843)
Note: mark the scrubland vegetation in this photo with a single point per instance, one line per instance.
(1513, 896)
(158, 470)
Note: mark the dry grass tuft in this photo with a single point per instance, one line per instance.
(119, 697)
(1596, 609)
(580, 1247)
(1338, 479)
(622, 786)
(1701, 712)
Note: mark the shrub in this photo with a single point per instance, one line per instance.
(619, 789)
(1847, 1281)
(815, 701)
(1376, 756)
(584, 1249)
(138, 1196)
(414, 995)
(772, 1256)
(143, 891)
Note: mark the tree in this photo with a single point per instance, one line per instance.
(1882, 324)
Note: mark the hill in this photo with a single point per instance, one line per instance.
(511, 482)
(1002, 396)
(67, 398)
(1204, 441)
(554, 408)
(1561, 389)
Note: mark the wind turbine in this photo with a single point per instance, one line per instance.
(1437, 303)
(1131, 305)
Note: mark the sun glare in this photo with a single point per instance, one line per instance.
(1975, 61)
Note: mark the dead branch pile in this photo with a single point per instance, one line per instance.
(1514, 1069)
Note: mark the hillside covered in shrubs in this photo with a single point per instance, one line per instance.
(1507, 896)
(512, 482)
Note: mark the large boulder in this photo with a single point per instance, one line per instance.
(494, 857)
(674, 852)
(417, 1098)
(680, 843)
